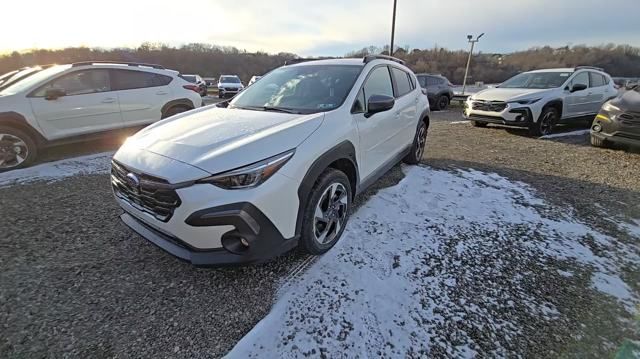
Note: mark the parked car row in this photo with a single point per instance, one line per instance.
(65, 103)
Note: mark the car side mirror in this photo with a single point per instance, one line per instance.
(54, 93)
(578, 87)
(379, 103)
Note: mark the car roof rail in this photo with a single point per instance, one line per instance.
(370, 58)
(297, 61)
(588, 68)
(137, 64)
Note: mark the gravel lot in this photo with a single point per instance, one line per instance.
(75, 282)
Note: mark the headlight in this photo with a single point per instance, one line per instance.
(526, 101)
(609, 107)
(249, 176)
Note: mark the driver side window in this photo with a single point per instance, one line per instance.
(79, 83)
(378, 83)
(581, 78)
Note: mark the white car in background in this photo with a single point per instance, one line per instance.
(66, 103)
(229, 86)
(541, 99)
(278, 166)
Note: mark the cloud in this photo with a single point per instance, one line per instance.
(323, 27)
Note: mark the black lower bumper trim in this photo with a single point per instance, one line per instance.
(264, 245)
(497, 120)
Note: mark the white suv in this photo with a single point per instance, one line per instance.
(278, 166)
(229, 85)
(543, 98)
(65, 103)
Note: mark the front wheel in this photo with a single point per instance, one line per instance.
(419, 144)
(326, 213)
(17, 149)
(545, 124)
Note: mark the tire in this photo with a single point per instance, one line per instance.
(318, 236)
(598, 142)
(174, 111)
(479, 124)
(545, 124)
(17, 148)
(442, 103)
(419, 144)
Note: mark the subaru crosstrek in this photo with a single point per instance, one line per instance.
(59, 104)
(278, 167)
(541, 99)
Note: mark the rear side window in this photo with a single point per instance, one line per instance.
(131, 79)
(378, 83)
(402, 82)
(597, 80)
(79, 83)
(432, 81)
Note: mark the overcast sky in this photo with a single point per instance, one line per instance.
(318, 27)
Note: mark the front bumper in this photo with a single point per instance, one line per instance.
(229, 91)
(265, 241)
(510, 116)
(613, 128)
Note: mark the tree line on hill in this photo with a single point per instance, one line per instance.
(212, 61)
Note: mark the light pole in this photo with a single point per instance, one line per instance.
(393, 27)
(466, 71)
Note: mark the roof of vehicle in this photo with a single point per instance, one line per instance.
(125, 65)
(345, 61)
(566, 69)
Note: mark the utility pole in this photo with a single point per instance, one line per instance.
(393, 27)
(466, 71)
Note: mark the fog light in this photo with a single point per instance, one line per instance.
(244, 241)
(596, 128)
(519, 118)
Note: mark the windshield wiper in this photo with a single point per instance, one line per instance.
(279, 109)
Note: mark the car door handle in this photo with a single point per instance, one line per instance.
(109, 100)
(161, 93)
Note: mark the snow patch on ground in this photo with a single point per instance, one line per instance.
(566, 134)
(446, 263)
(58, 170)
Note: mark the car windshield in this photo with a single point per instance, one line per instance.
(190, 78)
(300, 89)
(32, 79)
(537, 80)
(230, 80)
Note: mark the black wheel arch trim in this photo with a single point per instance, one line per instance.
(558, 102)
(14, 119)
(185, 102)
(344, 150)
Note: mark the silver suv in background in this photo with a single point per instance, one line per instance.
(229, 86)
(541, 99)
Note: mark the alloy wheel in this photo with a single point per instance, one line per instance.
(421, 141)
(546, 124)
(13, 151)
(330, 213)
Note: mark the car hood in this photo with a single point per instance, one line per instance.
(628, 101)
(229, 84)
(506, 95)
(220, 139)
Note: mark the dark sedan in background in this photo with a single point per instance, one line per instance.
(618, 120)
(439, 90)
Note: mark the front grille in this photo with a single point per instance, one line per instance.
(150, 194)
(630, 118)
(491, 106)
(231, 89)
